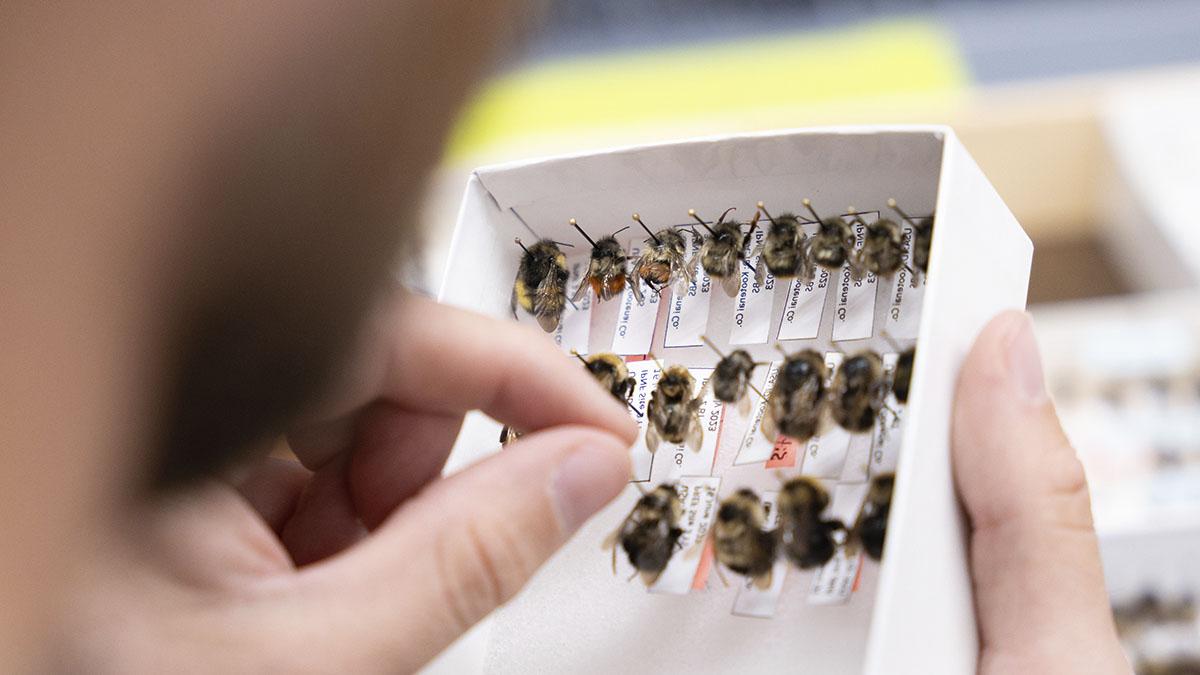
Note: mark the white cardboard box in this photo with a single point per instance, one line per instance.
(913, 612)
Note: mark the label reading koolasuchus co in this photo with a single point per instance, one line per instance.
(698, 494)
(905, 300)
(755, 448)
(688, 315)
(854, 313)
(752, 307)
(685, 461)
(763, 602)
(801, 318)
(635, 323)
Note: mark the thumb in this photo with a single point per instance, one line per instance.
(463, 546)
(1035, 560)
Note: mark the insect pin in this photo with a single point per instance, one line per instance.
(673, 412)
(661, 263)
(882, 251)
(731, 378)
(784, 251)
(606, 273)
(833, 243)
(796, 405)
(858, 392)
(739, 540)
(724, 251)
(541, 284)
(649, 535)
(922, 238)
(808, 540)
(870, 528)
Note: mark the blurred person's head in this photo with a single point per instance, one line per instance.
(199, 204)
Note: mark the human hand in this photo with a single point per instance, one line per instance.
(360, 558)
(1040, 599)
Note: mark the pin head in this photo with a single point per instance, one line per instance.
(891, 203)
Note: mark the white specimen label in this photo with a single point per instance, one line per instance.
(698, 494)
(824, 456)
(688, 316)
(755, 447)
(763, 602)
(885, 441)
(646, 374)
(635, 323)
(575, 327)
(683, 460)
(805, 302)
(905, 300)
(752, 307)
(854, 315)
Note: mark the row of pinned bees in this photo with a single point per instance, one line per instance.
(650, 534)
(786, 252)
(799, 406)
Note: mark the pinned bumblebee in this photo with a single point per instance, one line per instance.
(808, 540)
(857, 395)
(650, 534)
(611, 372)
(731, 377)
(673, 413)
(606, 274)
(784, 251)
(796, 406)
(724, 250)
(870, 529)
(882, 251)
(739, 540)
(833, 244)
(541, 284)
(662, 263)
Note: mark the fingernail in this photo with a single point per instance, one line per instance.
(1025, 363)
(588, 479)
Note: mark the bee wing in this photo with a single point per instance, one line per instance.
(695, 435)
(764, 582)
(636, 287)
(648, 578)
(760, 271)
(769, 428)
(548, 322)
(581, 290)
(652, 437)
(808, 269)
(858, 267)
(731, 284)
(512, 301)
(743, 404)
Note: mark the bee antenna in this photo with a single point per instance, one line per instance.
(722, 218)
(620, 230)
(518, 240)
(764, 210)
(712, 346)
(639, 222)
(808, 205)
(896, 207)
(692, 213)
(563, 243)
(585, 234)
(783, 351)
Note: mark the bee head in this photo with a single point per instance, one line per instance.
(804, 494)
(741, 360)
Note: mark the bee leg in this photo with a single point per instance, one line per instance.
(652, 437)
(721, 575)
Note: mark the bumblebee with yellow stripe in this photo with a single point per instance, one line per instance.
(541, 284)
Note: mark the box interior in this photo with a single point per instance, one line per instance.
(604, 623)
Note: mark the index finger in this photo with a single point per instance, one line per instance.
(448, 360)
